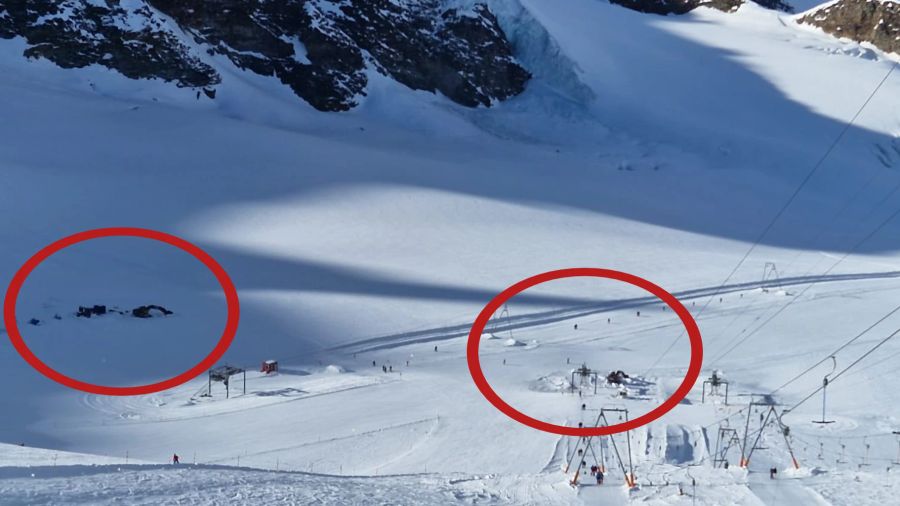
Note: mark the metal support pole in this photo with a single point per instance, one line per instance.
(787, 442)
(580, 439)
(603, 456)
(897, 462)
(744, 459)
(759, 434)
(825, 389)
(596, 461)
(629, 474)
(628, 440)
(716, 453)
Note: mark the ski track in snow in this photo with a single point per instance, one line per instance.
(543, 318)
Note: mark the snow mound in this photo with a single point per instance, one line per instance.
(551, 383)
(803, 472)
(681, 443)
(513, 342)
(490, 336)
(334, 369)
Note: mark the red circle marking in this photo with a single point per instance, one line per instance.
(15, 286)
(481, 382)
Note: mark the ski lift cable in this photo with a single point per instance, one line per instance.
(815, 240)
(872, 368)
(838, 349)
(808, 272)
(852, 250)
(849, 455)
(827, 224)
(837, 215)
(885, 359)
(717, 422)
(787, 204)
(844, 370)
(833, 379)
(859, 436)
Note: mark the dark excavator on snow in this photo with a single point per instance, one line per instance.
(616, 377)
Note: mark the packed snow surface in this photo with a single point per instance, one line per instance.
(364, 244)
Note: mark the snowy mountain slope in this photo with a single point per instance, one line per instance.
(86, 482)
(42, 476)
(377, 234)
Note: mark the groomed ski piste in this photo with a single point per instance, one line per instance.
(363, 245)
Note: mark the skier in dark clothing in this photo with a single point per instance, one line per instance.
(175, 459)
(599, 477)
(772, 472)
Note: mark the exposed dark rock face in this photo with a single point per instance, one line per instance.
(776, 5)
(321, 49)
(665, 7)
(873, 21)
(76, 33)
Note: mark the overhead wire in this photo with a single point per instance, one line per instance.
(815, 168)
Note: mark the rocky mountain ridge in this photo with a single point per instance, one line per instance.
(326, 50)
(321, 49)
(666, 7)
(874, 21)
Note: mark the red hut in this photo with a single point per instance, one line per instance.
(269, 366)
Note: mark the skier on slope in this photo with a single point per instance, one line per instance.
(175, 459)
(599, 477)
